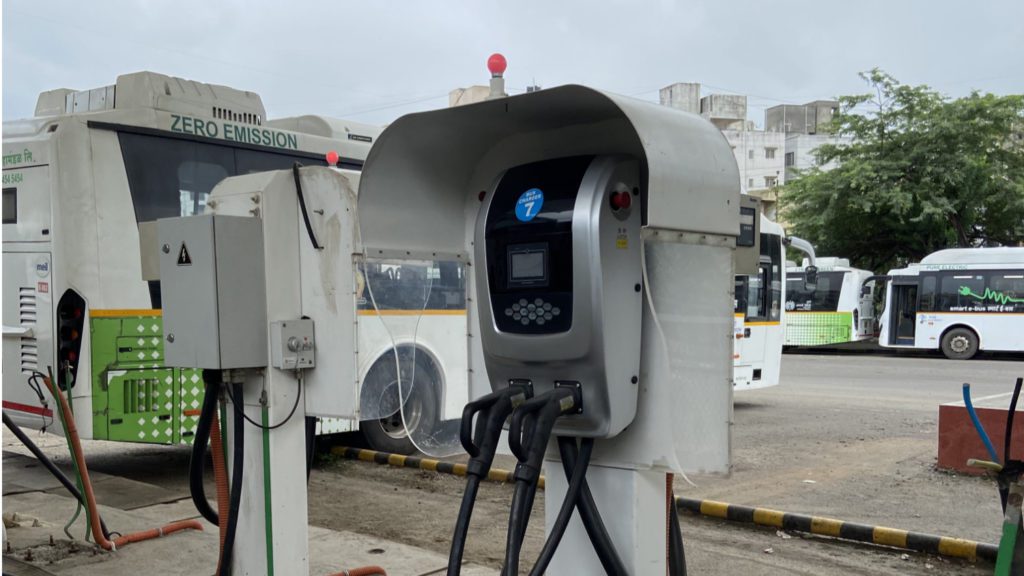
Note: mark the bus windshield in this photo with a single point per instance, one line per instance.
(171, 177)
(824, 298)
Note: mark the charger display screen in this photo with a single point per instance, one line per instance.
(528, 265)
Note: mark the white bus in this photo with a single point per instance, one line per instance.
(83, 179)
(758, 315)
(960, 301)
(840, 308)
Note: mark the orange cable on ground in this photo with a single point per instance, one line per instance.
(363, 571)
(90, 498)
(220, 475)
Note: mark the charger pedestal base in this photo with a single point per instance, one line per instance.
(633, 506)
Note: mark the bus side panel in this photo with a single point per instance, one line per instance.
(750, 367)
(996, 331)
(818, 328)
(118, 258)
(135, 398)
(774, 335)
(28, 332)
(448, 337)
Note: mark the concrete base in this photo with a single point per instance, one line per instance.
(959, 441)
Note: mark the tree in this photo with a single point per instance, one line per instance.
(922, 173)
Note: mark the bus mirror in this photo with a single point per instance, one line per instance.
(865, 290)
(811, 278)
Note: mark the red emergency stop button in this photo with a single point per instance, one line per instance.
(621, 200)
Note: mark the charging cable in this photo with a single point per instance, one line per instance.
(490, 412)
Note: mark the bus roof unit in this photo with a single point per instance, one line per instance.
(999, 255)
(152, 90)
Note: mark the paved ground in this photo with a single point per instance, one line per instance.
(847, 436)
(851, 437)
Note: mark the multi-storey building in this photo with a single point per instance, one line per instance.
(759, 154)
(806, 126)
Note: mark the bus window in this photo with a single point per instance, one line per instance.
(1006, 290)
(249, 161)
(161, 171)
(771, 250)
(171, 177)
(775, 296)
(962, 293)
(195, 181)
(411, 285)
(824, 298)
(740, 295)
(10, 205)
(928, 293)
(756, 296)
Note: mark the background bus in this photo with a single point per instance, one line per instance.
(758, 315)
(80, 180)
(839, 309)
(960, 301)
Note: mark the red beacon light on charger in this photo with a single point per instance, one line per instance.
(497, 64)
(332, 159)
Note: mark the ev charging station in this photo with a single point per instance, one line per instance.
(622, 215)
(599, 233)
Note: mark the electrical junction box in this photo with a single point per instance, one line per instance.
(292, 345)
(213, 288)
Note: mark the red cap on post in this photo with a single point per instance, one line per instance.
(496, 64)
(332, 158)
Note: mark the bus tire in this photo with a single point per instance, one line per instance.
(960, 343)
(420, 410)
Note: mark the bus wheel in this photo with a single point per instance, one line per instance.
(391, 434)
(960, 344)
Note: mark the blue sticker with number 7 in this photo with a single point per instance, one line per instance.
(529, 204)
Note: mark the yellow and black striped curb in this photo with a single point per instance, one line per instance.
(402, 461)
(940, 545)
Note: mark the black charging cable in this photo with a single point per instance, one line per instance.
(529, 432)
(491, 412)
(676, 553)
(576, 483)
(51, 467)
(590, 515)
(235, 504)
(302, 205)
(200, 441)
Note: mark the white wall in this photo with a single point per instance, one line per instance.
(802, 147)
(749, 147)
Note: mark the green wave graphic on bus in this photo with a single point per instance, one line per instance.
(990, 294)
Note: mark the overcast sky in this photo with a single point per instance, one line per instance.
(374, 61)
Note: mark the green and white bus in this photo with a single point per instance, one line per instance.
(960, 301)
(840, 309)
(82, 182)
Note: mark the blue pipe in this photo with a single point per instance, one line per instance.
(977, 424)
